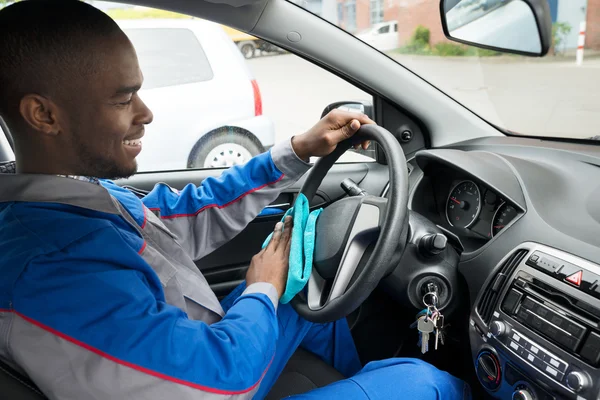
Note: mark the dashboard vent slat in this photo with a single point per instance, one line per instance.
(488, 300)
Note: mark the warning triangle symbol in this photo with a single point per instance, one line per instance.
(575, 279)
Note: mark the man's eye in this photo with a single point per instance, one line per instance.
(126, 103)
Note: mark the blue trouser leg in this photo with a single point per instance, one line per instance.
(394, 378)
(332, 342)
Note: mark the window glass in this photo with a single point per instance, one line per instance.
(220, 96)
(384, 29)
(169, 57)
(553, 95)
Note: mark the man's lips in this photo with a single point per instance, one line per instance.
(134, 140)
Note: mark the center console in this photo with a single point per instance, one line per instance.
(535, 329)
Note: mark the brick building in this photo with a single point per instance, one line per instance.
(592, 39)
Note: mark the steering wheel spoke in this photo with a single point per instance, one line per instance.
(365, 230)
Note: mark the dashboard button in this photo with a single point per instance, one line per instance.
(574, 329)
(567, 270)
(567, 341)
(523, 315)
(511, 300)
(591, 349)
(539, 363)
(528, 304)
(555, 363)
(575, 278)
(536, 322)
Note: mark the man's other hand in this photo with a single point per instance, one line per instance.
(333, 128)
(272, 263)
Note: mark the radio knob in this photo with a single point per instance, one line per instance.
(497, 328)
(576, 381)
(522, 394)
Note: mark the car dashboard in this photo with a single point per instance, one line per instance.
(525, 216)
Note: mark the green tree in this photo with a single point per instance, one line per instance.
(559, 32)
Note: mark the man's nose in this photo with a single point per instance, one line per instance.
(145, 115)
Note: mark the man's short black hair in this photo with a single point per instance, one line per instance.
(45, 43)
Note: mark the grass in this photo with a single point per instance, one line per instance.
(136, 13)
(446, 50)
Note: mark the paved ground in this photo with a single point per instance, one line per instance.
(549, 96)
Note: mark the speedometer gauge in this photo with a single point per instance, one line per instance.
(504, 214)
(463, 205)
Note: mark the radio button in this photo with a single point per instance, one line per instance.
(574, 329)
(555, 363)
(511, 300)
(591, 349)
(554, 373)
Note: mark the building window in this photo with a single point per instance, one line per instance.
(350, 15)
(376, 11)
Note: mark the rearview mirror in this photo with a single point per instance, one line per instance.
(510, 26)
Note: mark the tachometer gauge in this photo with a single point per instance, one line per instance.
(504, 214)
(463, 205)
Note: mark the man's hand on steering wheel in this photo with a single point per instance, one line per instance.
(323, 138)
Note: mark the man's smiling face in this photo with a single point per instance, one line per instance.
(104, 117)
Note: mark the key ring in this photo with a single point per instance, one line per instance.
(434, 299)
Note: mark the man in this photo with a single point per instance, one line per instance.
(99, 296)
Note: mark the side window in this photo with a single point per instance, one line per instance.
(220, 96)
(384, 29)
(169, 56)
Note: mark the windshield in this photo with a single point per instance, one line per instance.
(549, 96)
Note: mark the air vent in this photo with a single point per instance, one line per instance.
(486, 305)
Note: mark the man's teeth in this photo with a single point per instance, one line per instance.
(136, 142)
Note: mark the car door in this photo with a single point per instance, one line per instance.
(295, 92)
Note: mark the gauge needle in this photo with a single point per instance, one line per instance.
(454, 200)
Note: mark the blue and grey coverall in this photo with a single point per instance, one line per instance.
(100, 297)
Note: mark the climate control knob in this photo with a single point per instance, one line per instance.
(522, 394)
(576, 381)
(488, 370)
(497, 328)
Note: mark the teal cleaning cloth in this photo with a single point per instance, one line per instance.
(302, 246)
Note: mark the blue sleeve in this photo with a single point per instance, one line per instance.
(107, 302)
(207, 216)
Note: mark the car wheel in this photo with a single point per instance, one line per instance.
(225, 150)
(248, 50)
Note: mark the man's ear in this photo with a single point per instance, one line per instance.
(40, 113)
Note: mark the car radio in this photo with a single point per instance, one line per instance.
(535, 330)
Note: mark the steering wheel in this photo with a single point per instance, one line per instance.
(344, 273)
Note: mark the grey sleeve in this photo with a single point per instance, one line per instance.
(208, 216)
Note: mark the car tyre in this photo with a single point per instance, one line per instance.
(225, 149)
(248, 50)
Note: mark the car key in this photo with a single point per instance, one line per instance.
(439, 326)
(425, 327)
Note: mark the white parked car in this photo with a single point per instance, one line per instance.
(207, 106)
(382, 36)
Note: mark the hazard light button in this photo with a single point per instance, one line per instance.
(575, 278)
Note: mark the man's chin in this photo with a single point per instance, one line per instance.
(115, 171)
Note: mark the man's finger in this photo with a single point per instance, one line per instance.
(276, 238)
(366, 144)
(346, 131)
(341, 117)
(287, 232)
